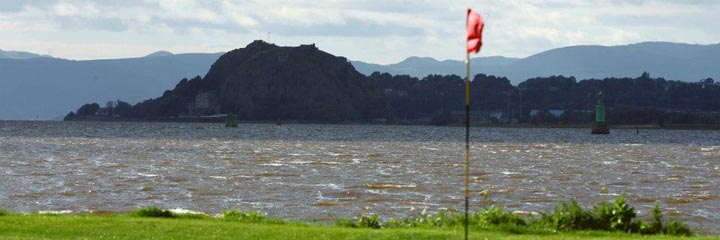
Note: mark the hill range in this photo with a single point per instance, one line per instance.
(47, 88)
(34, 86)
(676, 61)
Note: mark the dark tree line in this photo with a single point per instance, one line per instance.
(641, 100)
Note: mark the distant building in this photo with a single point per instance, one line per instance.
(556, 112)
(107, 110)
(202, 100)
(481, 117)
(205, 103)
(707, 81)
(552, 112)
(534, 113)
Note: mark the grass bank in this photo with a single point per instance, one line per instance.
(616, 220)
(126, 226)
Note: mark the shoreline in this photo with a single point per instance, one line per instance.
(369, 122)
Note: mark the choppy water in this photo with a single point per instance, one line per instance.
(321, 172)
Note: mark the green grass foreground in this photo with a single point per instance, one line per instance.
(126, 226)
(606, 220)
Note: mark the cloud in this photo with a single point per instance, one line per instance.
(370, 30)
(19, 5)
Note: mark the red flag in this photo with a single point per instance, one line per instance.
(474, 31)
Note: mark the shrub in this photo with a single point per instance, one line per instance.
(440, 219)
(491, 216)
(394, 223)
(622, 216)
(4, 212)
(498, 216)
(677, 228)
(567, 216)
(346, 222)
(674, 227)
(153, 211)
(366, 221)
(619, 216)
(570, 216)
(616, 217)
(656, 225)
(248, 217)
(602, 216)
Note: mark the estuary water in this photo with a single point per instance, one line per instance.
(324, 172)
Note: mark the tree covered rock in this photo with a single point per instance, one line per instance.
(266, 82)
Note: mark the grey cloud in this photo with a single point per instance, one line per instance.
(398, 6)
(19, 5)
(351, 28)
(379, 21)
(642, 2)
(403, 6)
(103, 24)
(659, 21)
(185, 25)
(11, 6)
(126, 3)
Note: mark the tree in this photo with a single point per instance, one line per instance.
(88, 110)
(70, 116)
(123, 109)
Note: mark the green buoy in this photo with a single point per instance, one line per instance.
(231, 121)
(599, 125)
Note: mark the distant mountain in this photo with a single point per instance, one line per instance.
(677, 61)
(423, 66)
(267, 82)
(160, 54)
(33, 85)
(47, 88)
(20, 55)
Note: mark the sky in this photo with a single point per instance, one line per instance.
(378, 31)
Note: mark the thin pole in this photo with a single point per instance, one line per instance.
(467, 140)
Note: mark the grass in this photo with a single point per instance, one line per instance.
(126, 226)
(569, 221)
(568, 216)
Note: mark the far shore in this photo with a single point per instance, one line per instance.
(375, 122)
(622, 126)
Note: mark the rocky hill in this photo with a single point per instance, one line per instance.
(267, 82)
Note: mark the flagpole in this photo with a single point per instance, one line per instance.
(474, 24)
(467, 140)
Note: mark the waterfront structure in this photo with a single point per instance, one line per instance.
(599, 125)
